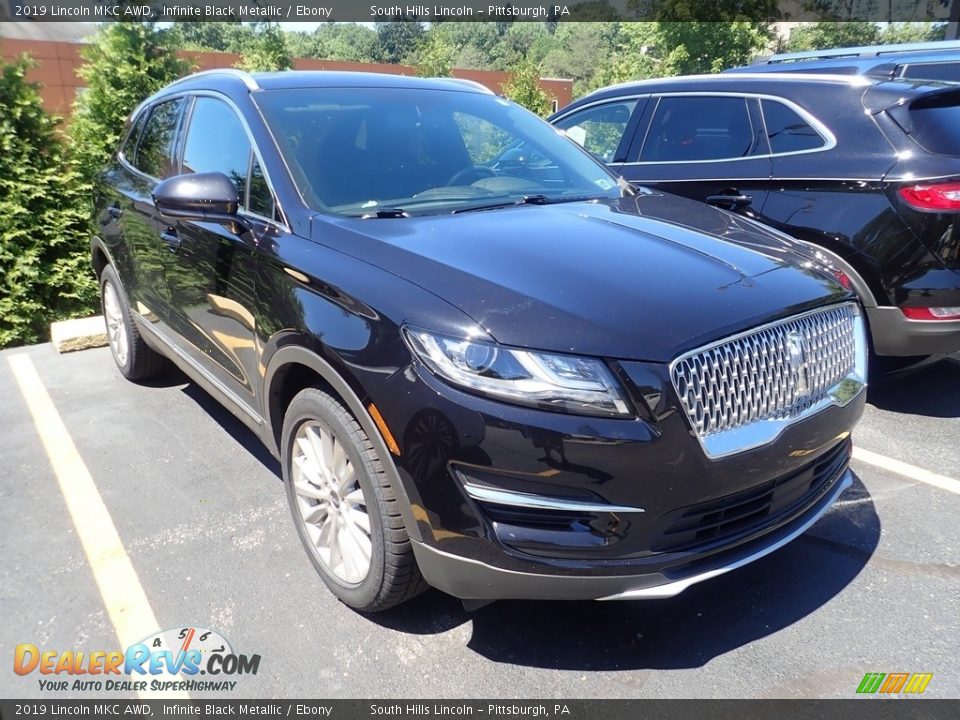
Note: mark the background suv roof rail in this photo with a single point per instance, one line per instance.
(863, 51)
(249, 80)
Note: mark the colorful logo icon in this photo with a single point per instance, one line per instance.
(894, 683)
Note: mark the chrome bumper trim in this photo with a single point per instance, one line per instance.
(539, 502)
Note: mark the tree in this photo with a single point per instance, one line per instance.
(44, 255)
(126, 63)
(910, 32)
(268, 51)
(218, 36)
(824, 35)
(688, 48)
(523, 87)
(435, 57)
(579, 50)
(398, 40)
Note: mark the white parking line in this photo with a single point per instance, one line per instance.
(907, 470)
(130, 613)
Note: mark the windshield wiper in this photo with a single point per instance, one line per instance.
(386, 213)
(529, 200)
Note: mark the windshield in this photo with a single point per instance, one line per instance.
(390, 152)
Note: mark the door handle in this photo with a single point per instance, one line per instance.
(170, 237)
(729, 200)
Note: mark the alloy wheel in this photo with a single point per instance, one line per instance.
(332, 507)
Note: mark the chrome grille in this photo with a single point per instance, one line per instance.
(774, 372)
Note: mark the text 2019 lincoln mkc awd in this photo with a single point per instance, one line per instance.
(485, 363)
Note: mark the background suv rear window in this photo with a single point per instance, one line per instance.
(935, 124)
(787, 131)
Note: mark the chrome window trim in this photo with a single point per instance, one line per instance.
(604, 101)
(747, 437)
(829, 138)
(539, 502)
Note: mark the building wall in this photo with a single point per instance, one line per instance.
(59, 61)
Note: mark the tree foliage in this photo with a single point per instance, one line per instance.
(44, 255)
(435, 57)
(126, 63)
(267, 51)
(523, 87)
(827, 35)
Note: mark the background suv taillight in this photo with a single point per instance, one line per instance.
(938, 197)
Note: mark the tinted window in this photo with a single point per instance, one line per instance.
(949, 71)
(129, 148)
(935, 124)
(154, 151)
(217, 142)
(261, 201)
(599, 129)
(698, 128)
(787, 131)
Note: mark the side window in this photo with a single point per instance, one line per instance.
(948, 71)
(787, 131)
(217, 142)
(261, 201)
(129, 147)
(154, 151)
(688, 129)
(599, 129)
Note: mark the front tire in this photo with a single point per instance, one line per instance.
(134, 358)
(344, 506)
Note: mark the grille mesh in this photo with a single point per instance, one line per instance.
(756, 377)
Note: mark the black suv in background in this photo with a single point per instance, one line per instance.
(908, 61)
(511, 379)
(866, 170)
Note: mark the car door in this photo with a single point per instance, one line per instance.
(211, 267)
(129, 223)
(605, 128)
(708, 147)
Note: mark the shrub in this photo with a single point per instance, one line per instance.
(44, 267)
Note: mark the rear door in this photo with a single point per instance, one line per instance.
(129, 223)
(708, 147)
(210, 267)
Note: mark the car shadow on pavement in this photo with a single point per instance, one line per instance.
(687, 631)
(217, 412)
(932, 390)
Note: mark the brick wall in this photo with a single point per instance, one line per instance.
(58, 63)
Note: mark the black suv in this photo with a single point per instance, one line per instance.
(507, 376)
(908, 61)
(868, 171)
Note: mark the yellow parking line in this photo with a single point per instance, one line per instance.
(130, 613)
(907, 470)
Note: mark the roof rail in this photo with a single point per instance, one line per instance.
(249, 80)
(472, 83)
(862, 51)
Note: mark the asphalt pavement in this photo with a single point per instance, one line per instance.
(200, 515)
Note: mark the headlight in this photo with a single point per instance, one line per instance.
(543, 380)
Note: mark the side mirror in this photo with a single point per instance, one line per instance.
(198, 196)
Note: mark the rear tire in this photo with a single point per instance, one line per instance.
(134, 358)
(344, 506)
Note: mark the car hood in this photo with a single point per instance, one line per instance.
(645, 277)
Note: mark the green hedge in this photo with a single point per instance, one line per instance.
(44, 253)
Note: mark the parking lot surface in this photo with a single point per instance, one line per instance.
(201, 521)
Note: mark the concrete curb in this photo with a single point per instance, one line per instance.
(79, 334)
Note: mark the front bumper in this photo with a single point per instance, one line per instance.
(896, 335)
(475, 580)
(512, 502)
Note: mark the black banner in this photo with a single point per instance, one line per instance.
(855, 709)
(478, 10)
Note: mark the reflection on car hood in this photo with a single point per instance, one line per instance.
(644, 277)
